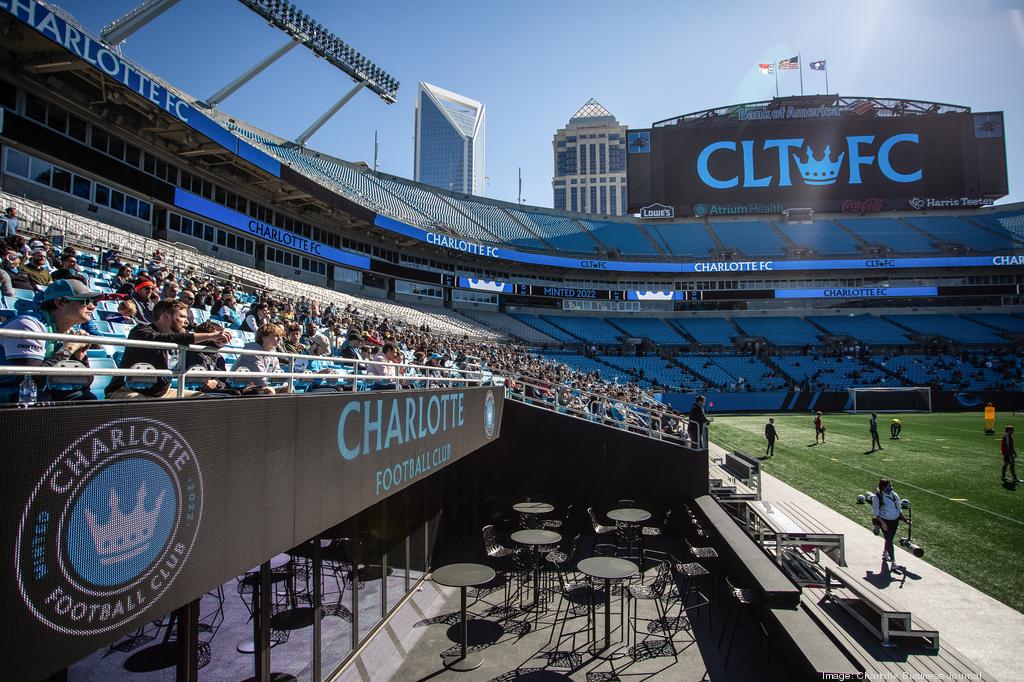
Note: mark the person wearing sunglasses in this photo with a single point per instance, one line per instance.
(64, 306)
(12, 268)
(69, 269)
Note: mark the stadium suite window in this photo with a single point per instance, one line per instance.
(8, 95)
(35, 108)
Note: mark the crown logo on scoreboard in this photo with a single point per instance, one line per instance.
(125, 535)
(821, 171)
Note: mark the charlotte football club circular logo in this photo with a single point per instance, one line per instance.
(489, 415)
(109, 526)
(700, 210)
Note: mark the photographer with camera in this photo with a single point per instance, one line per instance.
(887, 509)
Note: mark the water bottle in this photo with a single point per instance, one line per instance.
(27, 393)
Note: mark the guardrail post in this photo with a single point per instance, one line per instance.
(180, 368)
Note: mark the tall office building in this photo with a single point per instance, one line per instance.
(449, 141)
(590, 163)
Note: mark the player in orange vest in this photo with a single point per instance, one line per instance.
(990, 418)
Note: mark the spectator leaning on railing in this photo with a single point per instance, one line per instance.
(169, 320)
(64, 305)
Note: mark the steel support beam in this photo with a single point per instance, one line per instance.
(229, 89)
(317, 124)
(118, 30)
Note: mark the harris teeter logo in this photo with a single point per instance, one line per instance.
(109, 526)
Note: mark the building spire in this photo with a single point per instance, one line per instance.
(591, 109)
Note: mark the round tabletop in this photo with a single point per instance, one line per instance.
(536, 537)
(463, 575)
(275, 563)
(629, 515)
(533, 508)
(607, 567)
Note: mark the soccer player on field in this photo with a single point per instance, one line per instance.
(819, 427)
(990, 418)
(1009, 455)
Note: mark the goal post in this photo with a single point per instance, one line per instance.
(889, 399)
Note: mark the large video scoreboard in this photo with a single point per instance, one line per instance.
(764, 161)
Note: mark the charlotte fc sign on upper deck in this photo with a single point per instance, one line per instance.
(43, 20)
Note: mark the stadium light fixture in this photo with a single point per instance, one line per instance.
(302, 28)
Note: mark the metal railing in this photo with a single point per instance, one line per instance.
(355, 371)
(649, 420)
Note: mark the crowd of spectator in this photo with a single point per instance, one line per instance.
(161, 304)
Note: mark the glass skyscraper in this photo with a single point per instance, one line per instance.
(449, 141)
(590, 163)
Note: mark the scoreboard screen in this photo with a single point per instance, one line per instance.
(949, 160)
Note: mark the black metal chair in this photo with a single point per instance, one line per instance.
(560, 555)
(653, 533)
(502, 557)
(691, 574)
(656, 592)
(560, 523)
(601, 549)
(576, 595)
(211, 616)
(742, 600)
(706, 556)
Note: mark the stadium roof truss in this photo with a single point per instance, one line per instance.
(882, 107)
(301, 29)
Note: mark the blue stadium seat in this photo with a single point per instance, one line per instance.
(626, 237)
(683, 239)
(869, 329)
(891, 233)
(957, 230)
(949, 326)
(822, 236)
(658, 331)
(101, 382)
(751, 238)
(708, 331)
(781, 331)
(590, 329)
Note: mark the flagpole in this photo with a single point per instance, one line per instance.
(826, 76)
(800, 62)
(776, 72)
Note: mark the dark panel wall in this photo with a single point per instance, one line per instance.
(572, 461)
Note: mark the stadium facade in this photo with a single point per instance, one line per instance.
(450, 141)
(590, 163)
(90, 133)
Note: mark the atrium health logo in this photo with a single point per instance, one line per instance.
(109, 526)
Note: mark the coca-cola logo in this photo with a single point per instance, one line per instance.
(863, 205)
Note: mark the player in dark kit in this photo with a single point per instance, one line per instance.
(772, 435)
(873, 428)
(819, 427)
(1009, 455)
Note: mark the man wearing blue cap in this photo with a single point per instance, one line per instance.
(63, 306)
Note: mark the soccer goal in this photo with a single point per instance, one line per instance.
(889, 399)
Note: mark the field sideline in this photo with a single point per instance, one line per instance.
(970, 524)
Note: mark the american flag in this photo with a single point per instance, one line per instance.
(791, 63)
(766, 69)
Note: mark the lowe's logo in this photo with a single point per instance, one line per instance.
(815, 168)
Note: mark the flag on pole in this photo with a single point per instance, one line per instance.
(818, 65)
(791, 63)
(766, 69)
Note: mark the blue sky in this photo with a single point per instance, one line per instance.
(534, 63)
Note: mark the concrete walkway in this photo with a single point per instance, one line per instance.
(976, 624)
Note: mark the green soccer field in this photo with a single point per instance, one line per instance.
(970, 524)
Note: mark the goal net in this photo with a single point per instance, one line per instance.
(889, 399)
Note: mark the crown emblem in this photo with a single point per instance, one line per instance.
(125, 535)
(821, 171)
